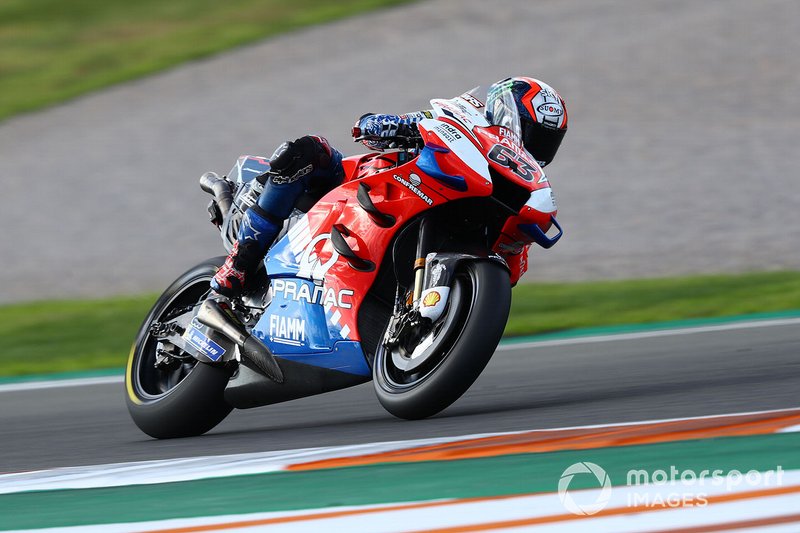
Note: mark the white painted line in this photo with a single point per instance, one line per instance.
(60, 383)
(504, 346)
(650, 334)
(206, 467)
(193, 468)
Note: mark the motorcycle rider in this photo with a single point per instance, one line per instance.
(311, 165)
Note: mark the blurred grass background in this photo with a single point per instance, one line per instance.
(59, 336)
(53, 50)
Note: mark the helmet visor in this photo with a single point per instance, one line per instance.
(542, 142)
(503, 110)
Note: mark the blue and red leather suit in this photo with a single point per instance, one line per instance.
(307, 166)
(281, 194)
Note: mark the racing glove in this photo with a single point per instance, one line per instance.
(384, 132)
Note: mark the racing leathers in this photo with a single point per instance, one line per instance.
(311, 166)
(307, 166)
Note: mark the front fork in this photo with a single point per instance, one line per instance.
(434, 273)
(406, 320)
(424, 246)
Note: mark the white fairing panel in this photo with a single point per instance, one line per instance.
(542, 200)
(462, 111)
(459, 144)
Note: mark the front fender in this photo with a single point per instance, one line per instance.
(440, 270)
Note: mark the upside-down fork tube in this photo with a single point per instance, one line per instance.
(423, 247)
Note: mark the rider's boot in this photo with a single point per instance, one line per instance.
(256, 234)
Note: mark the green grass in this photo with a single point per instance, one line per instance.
(52, 50)
(560, 306)
(48, 337)
(61, 336)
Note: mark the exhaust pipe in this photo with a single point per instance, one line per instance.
(220, 189)
(215, 316)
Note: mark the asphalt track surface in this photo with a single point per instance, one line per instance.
(694, 374)
(681, 156)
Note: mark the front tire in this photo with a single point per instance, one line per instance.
(481, 297)
(182, 401)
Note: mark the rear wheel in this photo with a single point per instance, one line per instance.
(183, 398)
(458, 347)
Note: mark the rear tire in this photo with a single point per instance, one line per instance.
(185, 401)
(484, 292)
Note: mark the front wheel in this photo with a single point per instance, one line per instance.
(185, 397)
(465, 339)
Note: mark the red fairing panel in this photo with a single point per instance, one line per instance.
(361, 166)
(403, 192)
(507, 157)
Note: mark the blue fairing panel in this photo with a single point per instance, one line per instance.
(301, 323)
(282, 261)
(346, 356)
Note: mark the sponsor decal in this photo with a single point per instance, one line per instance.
(547, 92)
(309, 262)
(464, 109)
(433, 302)
(431, 299)
(474, 102)
(457, 112)
(199, 340)
(509, 138)
(436, 273)
(280, 180)
(413, 188)
(427, 114)
(302, 292)
(550, 110)
(447, 132)
(287, 330)
(414, 179)
(492, 137)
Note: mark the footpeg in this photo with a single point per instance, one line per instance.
(213, 315)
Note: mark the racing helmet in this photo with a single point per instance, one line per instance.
(533, 111)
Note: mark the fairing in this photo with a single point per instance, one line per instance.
(317, 292)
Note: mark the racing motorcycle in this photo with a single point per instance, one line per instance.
(398, 275)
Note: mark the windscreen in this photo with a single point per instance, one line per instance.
(501, 109)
